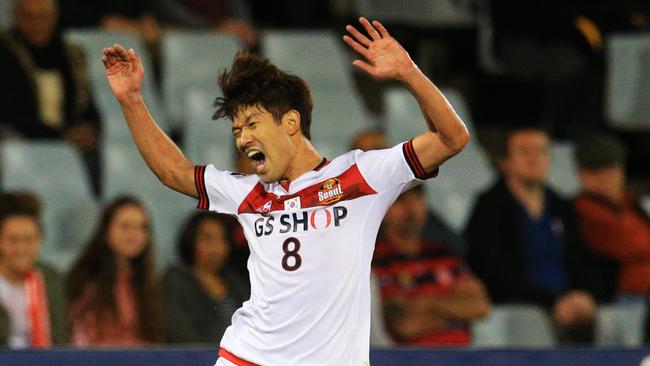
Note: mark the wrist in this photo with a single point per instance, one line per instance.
(130, 99)
(410, 75)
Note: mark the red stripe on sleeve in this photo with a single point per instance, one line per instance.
(414, 162)
(199, 182)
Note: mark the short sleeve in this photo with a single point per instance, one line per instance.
(220, 191)
(390, 168)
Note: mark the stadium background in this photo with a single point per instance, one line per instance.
(451, 40)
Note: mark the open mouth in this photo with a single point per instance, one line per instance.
(257, 159)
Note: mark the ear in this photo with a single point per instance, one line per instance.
(291, 121)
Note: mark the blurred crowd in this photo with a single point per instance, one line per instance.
(523, 244)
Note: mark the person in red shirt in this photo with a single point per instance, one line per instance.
(612, 222)
(429, 296)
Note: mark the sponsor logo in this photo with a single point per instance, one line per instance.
(320, 219)
(292, 204)
(265, 208)
(330, 192)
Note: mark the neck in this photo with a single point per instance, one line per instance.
(530, 195)
(123, 264)
(304, 160)
(11, 276)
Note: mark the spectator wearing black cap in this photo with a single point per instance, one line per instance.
(612, 222)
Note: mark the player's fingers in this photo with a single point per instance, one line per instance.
(364, 66)
(358, 35)
(105, 62)
(111, 55)
(356, 46)
(122, 54)
(369, 28)
(380, 28)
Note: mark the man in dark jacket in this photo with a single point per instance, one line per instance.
(524, 241)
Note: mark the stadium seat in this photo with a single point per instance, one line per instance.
(54, 171)
(620, 325)
(93, 41)
(207, 141)
(127, 173)
(6, 13)
(563, 175)
(451, 195)
(338, 113)
(514, 326)
(628, 81)
(378, 334)
(404, 119)
(423, 13)
(182, 70)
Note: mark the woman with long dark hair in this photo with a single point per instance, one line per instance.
(112, 288)
(203, 291)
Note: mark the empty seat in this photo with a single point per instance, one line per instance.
(207, 141)
(452, 193)
(514, 326)
(423, 13)
(114, 126)
(628, 81)
(127, 173)
(563, 175)
(6, 13)
(404, 119)
(192, 59)
(620, 325)
(55, 172)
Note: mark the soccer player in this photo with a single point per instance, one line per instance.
(311, 223)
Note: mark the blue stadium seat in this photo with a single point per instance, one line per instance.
(628, 81)
(338, 113)
(55, 172)
(192, 59)
(514, 326)
(93, 41)
(207, 141)
(404, 120)
(6, 13)
(423, 13)
(620, 325)
(127, 173)
(563, 176)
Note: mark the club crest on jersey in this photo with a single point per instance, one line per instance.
(265, 208)
(292, 204)
(330, 192)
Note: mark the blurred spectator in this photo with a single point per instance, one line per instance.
(228, 16)
(558, 47)
(45, 91)
(202, 292)
(369, 140)
(429, 295)
(112, 289)
(133, 16)
(33, 311)
(612, 222)
(524, 241)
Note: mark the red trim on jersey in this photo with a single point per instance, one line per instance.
(199, 182)
(234, 359)
(351, 182)
(414, 162)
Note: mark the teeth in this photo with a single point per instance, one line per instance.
(250, 153)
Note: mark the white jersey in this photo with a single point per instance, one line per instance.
(311, 245)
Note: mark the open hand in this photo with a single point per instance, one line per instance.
(385, 57)
(124, 72)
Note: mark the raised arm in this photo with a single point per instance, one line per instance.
(124, 73)
(385, 58)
